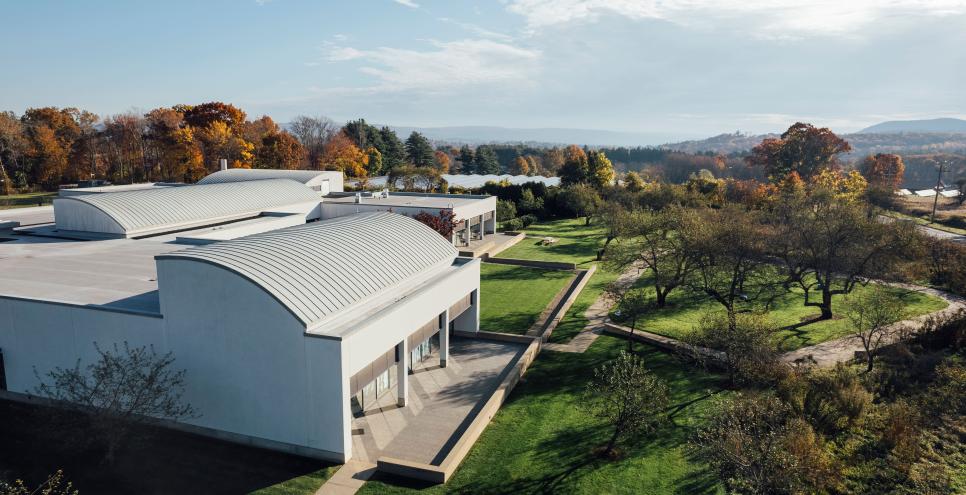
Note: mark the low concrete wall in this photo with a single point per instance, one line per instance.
(498, 336)
(662, 342)
(442, 472)
(575, 289)
(550, 265)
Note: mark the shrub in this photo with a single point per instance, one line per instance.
(528, 220)
(513, 224)
(505, 210)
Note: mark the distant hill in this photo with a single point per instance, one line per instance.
(547, 135)
(904, 143)
(921, 126)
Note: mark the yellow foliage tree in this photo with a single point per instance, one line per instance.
(341, 153)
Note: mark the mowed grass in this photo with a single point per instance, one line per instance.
(541, 441)
(26, 200)
(576, 242)
(787, 311)
(303, 485)
(513, 297)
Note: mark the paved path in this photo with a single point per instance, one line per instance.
(597, 315)
(841, 350)
(348, 479)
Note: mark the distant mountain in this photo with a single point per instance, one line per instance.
(559, 136)
(927, 125)
(863, 143)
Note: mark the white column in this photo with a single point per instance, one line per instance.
(482, 228)
(402, 374)
(469, 320)
(444, 338)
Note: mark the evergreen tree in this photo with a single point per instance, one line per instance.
(393, 151)
(486, 161)
(467, 160)
(419, 151)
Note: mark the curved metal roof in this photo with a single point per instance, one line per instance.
(155, 209)
(321, 268)
(247, 174)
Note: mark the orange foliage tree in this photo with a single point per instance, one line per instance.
(341, 153)
(883, 170)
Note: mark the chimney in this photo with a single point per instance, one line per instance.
(223, 164)
(358, 198)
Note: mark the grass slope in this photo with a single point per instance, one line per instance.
(514, 296)
(26, 200)
(541, 440)
(576, 243)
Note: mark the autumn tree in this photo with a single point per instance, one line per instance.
(441, 161)
(419, 151)
(204, 115)
(485, 161)
(633, 181)
(341, 153)
(13, 147)
(219, 140)
(445, 222)
(51, 134)
(803, 148)
(374, 166)
(600, 171)
(279, 149)
(883, 171)
(575, 168)
(520, 166)
(553, 160)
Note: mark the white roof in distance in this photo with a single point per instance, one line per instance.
(249, 174)
(166, 209)
(322, 268)
(474, 180)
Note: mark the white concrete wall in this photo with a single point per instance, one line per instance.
(252, 370)
(334, 210)
(330, 180)
(379, 333)
(41, 335)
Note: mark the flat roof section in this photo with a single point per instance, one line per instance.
(34, 215)
(401, 200)
(116, 273)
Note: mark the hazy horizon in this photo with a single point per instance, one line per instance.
(682, 69)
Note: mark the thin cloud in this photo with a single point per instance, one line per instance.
(770, 19)
(444, 67)
(408, 3)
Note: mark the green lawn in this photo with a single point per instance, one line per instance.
(938, 225)
(26, 200)
(576, 243)
(541, 441)
(514, 296)
(575, 321)
(306, 484)
(686, 309)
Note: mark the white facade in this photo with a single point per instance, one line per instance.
(270, 340)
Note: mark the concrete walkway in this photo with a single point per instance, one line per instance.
(348, 479)
(598, 314)
(828, 354)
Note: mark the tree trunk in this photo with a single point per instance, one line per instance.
(661, 298)
(587, 221)
(612, 443)
(826, 306)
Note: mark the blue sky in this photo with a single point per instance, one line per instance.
(676, 67)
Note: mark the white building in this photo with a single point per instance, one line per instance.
(283, 327)
(321, 181)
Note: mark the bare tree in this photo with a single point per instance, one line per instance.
(628, 397)
(54, 485)
(630, 303)
(124, 388)
(871, 312)
(313, 133)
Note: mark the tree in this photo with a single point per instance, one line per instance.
(757, 446)
(575, 168)
(748, 351)
(505, 210)
(633, 182)
(529, 203)
(205, 114)
(627, 397)
(342, 154)
(54, 485)
(219, 140)
(313, 133)
(630, 303)
(883, 171)
(580, 201)
(658, 242)
(803, 148)
(124, 388)
(13, 146)
(418, 150)
(393, 151)
(467, 160)
(827, 244)
(486, 161)
(441, 161)
(374, 164)
(279, 150)
(444, 223)
(520, 166)
(600, 171)
(871, 312)
(728, 250)
(413, 178)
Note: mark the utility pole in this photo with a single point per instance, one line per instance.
(935, 198)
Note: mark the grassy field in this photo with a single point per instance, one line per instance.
(514, 296)
(686, 309)
(541, 441)
(924, 220)
(576, 243)
(26, 200)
